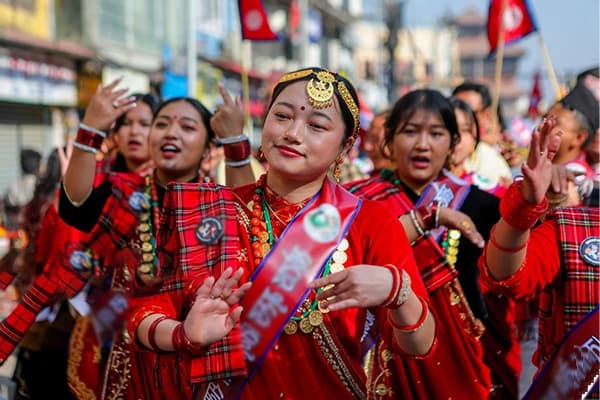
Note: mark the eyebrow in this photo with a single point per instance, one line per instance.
(291, 106)
(182, 118)
(433, 126)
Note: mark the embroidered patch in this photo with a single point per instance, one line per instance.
(589, 250)
(80, 260)
(323, 223)
(209, 231)
(139, 201)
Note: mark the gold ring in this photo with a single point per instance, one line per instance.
(222, 296)
(466, 224)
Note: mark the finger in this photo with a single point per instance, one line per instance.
(219, 285)
(238, 101)
(534, 148)
(203, 291)
(475, 237)
(109, 88)
(337, 304)
(117, 94)
(238, 293)
(331, 279)
(233, 318)
(232, 282)
(334, 291)
(226, 97)
(555, 179)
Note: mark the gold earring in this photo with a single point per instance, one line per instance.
(337, 169)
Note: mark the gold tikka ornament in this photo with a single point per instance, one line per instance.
(320, 90)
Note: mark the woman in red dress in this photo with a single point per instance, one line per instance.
(442, 217)
(283, 334)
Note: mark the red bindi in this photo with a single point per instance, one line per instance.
(302, 108)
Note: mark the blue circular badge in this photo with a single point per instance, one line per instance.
(80, 260)
(139, 201)
(589, 250)
(209, 230)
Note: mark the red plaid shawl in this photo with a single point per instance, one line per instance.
(185, 207)
(113, 231)
(579, 279)
(430, 257)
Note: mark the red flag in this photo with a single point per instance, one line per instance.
(294, 20)
(535, 96)
(253, 18)
(518, 21)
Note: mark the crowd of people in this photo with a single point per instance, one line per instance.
(157, 256)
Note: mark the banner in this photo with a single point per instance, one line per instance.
(517, 19)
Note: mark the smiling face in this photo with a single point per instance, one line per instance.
(301, 142)
(177, 142)
(420, 146)
(132, 136)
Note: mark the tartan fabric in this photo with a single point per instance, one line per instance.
(430, 257)
(580, 279)
(186, 207)
(6, 278)
(55, 278)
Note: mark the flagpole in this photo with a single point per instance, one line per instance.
(246, 55)
(549, 66)
(498, 72)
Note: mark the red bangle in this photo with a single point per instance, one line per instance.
(89, 138)
(395, 284)
(414, 327)
(237, 151)
(517, 212)
(182, 344)
(502, 248)
(152, 331)
(428, 215)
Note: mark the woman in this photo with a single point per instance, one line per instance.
(312, 120)
(557, 261)
(464, 150)
(442, 217)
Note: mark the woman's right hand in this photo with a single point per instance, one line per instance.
(215, 310)
(106, 105)
(453, 219)
(537, 171)
(228, 120)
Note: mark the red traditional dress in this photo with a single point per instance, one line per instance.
(561, 266)
(321, 361)
(455, 367)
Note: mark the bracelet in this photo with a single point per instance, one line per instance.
(416, 223)
(182, 344)
(395, 284)
(231, 139)
(502, 248)
(84, 147)
(152, 330)
(429, 215)
(437, 214)
(238, 151)
(517, 212)
(88, 138)
(90, 129)
(237, 164)
(417, 325)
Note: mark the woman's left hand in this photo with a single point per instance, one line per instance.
(357, 286)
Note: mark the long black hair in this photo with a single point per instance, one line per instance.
(461, 105)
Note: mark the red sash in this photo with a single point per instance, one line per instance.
(572, 371)
(429, 255)
(280, 281)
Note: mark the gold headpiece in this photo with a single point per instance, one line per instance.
(320, 91)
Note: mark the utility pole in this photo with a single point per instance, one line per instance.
(192, 57)
(393, 22)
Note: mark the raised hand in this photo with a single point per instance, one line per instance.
(537, 171)
(357, 286)
(215, 310)
(228, 120)
(106, 105)
(453, 219)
